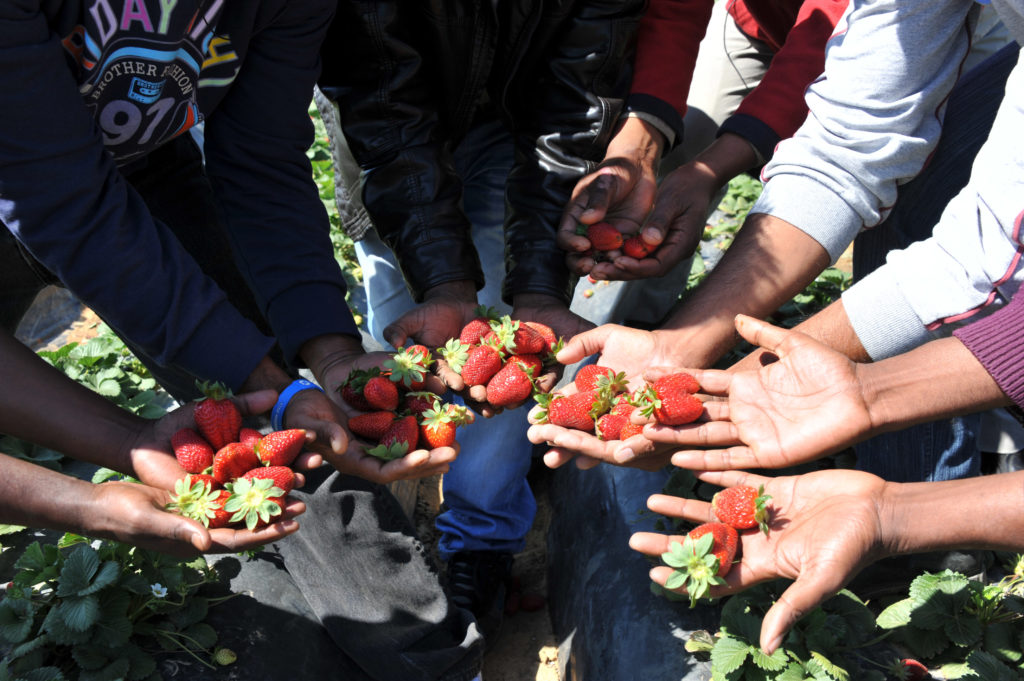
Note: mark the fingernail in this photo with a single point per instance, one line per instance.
(624, 455)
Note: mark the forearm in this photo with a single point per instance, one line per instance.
(41, 405)
(37, 497)
(938, 380)
(981, 512)
(769, 263)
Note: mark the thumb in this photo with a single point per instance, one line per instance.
(257, 402)
(800, 598)
(584, 344)
(183, 529)
(396, 334)
(760, 333)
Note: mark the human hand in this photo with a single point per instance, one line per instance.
(619, 192)
(551, 312)
(807, 404)
(825, 527)
(134, 514)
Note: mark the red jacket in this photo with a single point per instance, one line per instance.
(797, 30)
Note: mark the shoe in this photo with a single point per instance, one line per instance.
(476, 582)
(1010, 463)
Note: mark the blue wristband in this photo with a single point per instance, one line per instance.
(296, 386)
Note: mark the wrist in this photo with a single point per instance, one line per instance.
(322, 353)
(281, 406)
(725, 158)
(266, 375)
(462, 291)
(638, 139)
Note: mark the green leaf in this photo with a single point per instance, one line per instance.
(89, 656)
(43, 674)
(1001, 641)
(963, 630)
(16, 619)
(79, 613)
(113, 628)
(29, 646)
(794, 672)
(116, 670)
(729, 655)
(194, 610)
(925, 644)
(202, 634)
(10, 529)
(141, 663)
(675, 580)
(988, 668)
(106, 576)
(108, 388)
(896, 615)
(772, 663)
(700, 641)
(57, 628)
(103, 474)
(36, 558)
(833, 670)
(78, 570)
(955, 670)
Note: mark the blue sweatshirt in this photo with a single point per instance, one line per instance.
(91, 86)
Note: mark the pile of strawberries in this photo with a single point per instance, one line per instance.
(603, 406)
(236, 476)
(504, 355)
(606, 241)
(398, 416)
(709, 550)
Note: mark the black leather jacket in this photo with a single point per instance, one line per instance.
(409, 77)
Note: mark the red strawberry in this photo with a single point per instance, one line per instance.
(399, 439)
(742, 507)
(196, 499)
(702, 560)
(249, 436)
(352, 389)
(670, 402)
(635, 247)
(216, 416)
(609, 426)
(526, 340)
(283, 476)
(482, 363)
(545, 332)
(193, 452)
(371, 425)
(478, 327)
(629, 429)
(409, 366)
(576, 411)
(680, 381)
(589, 378)
(381, 393)
(604, 237)
(280, 447)
(420, 401)
(909, 670)
(214, 511)
(437, 426)
(533, 363)
(233, 461)
(511, 385)
(623, 406)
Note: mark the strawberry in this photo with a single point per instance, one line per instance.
(455, 353)
(283, 476)
(511, 385)
(590, 377)
(909, 670)
(478, 327)
(635, 247)
(420, 401)
(629, 429)
(670, 402)
(352, 389)
(249, 437)
(190, 449)
(679, 381)
(254, 501)
(603, 236)
(196, 499)
(623, 406)
(409, 366)
(371, 425)
(381, 393)
(399, 439)
(233, 461)
(204, 478)
(437, 426)
(532, 362)
(216, 416)
(576, 411)
(742, 507)
(702, 560)
(546, 332)
(610, 425)
(280, 447)
(481, 364)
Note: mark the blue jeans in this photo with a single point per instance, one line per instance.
(942, 450)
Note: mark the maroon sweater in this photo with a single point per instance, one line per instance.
(998, 342)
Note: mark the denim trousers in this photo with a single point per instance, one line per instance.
(356, 559)
(946, 449)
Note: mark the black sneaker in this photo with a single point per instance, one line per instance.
(476, 581)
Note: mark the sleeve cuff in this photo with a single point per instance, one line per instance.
(881, 317)
(658, 113)
(226, 347)
(812, 208)
(307, 311)
(758, 133)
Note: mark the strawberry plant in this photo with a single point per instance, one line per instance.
(79, 611)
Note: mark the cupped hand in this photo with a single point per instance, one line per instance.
(824, 528)
(804, 406)
(134, 514)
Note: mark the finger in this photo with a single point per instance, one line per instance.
(652, 543)
(307, 461)
(693, 510)
(448, 376)
(478, 393)
(731, 478)
(181, 530)
(585, 344)
(697, 434)
(761, 334)
(258, 402)
(397, 332)
(570, 439)
(548, 380)
(419, 463)
(802, 596)
(718, 459)
(228, 540)
(585, 463)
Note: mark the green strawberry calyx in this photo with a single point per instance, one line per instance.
(455, 354)
(252, 501)
(696, 567)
